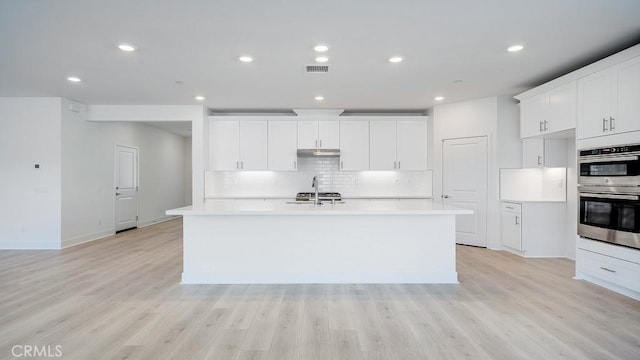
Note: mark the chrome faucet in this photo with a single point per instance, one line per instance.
(314, 184)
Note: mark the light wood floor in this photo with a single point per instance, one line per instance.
(120, 298)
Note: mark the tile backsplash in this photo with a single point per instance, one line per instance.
(287, 183)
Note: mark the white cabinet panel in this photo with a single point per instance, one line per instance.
(512, 226)
(382, 144)
(318, 134)
(411, 145)
(307, 134)
(609, 101)
(354, 145)
(329, 134)
(627, 94)
(224, 144)
(283, 144)
(552, 111)
(253, 145)
(539, 152)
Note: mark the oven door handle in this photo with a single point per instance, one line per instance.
(610, 196)
(607, 159)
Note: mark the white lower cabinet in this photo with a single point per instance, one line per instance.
(614, 267)
(534, 229)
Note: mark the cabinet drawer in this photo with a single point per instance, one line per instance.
(512, 207)
(616, 271)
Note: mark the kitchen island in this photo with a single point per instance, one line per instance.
(357, 241)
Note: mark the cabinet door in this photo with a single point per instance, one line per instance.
(562, 108)
(511, 228)
(411, 144)
(354, 145)
(626, 116)
(253, 145)
(382, 145)
(329, 134)
(307, 134)
(532, 152)
(283, 144)
(533, 113)
(594, 110)
(224, 144)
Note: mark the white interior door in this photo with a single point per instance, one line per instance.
(464, 184)
(126, 187)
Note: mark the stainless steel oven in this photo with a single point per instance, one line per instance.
(609, 189)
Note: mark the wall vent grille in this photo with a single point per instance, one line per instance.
(317, 68)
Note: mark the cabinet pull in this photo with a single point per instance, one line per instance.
(607, 269)
(604, 124)
(545, 125)
(539, 159)
(398, 164)
(237, 164)
(394, 165)
(612, 124)
(540, 126)
(509, 207)
(517, 223)
(320, 143)
(316, 144)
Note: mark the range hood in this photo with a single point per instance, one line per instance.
(318, 152)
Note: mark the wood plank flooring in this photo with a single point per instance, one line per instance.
(120, 298)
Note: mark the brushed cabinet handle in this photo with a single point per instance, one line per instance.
(321, 143)
(607, 269)
(237, 164)
(398, 164)
(545, 125)
(540, 126)
(612, 124)
(394, 165)
(604, 124)
(539, 159)
(517, 223)
(316, 144)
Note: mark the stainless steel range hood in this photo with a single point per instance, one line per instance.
(318, 152)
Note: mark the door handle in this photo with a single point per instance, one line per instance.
(445, 196)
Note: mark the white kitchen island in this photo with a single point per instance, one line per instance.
(274, 241)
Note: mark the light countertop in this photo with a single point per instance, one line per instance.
(348, 207)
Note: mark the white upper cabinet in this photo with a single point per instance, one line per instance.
(609, 101)
(412, 144)
(549, 112)
(398, 144)
(382, 145)
(539, 152)
(224, 144)
(238, 145)
(354, 144)
(318, 134)
(283, 144)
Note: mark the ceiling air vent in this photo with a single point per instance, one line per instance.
(316, 68)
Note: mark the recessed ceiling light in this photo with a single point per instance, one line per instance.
(438, 98)
(515, 48)
(200, 98)
(319, 98)
(395, 59)
(74, 79)
(245, 59)
(322, 59)
(126, 47)
(321, 48)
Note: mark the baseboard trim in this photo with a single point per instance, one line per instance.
(29, 245)
(145, 223)
(87, 238)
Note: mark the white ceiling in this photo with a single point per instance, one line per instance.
(43, 42)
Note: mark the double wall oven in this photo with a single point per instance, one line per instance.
(609, 190)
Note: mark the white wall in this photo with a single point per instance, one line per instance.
(481, 117)
(188, 171)
(30, 134)
(88, 168)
